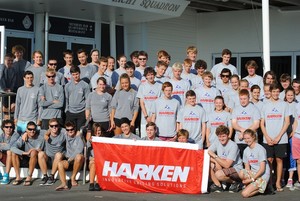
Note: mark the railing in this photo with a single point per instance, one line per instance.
(2, 96)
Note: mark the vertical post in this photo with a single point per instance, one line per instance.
(266, 35)
(46, 36)
(112, 32)
(39, 28)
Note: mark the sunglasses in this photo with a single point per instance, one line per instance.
(8, 127)
(71, 129)
(52, 64)
(143, 59)
(53, 126)
(225, 76)
(31, 129)
(50, 76)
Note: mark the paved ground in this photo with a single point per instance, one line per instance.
(81, 193)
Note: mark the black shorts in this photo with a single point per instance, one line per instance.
(276, 151)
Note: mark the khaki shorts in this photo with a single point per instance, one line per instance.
(260, 183)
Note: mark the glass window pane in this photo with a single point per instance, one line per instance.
(258, 60)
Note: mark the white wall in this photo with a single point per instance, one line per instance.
(239, 31)
(172, 35)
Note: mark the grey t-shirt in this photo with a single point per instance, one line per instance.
(76, 95)
(49, 109)
(125, 103)
(191, 118)
(100, 106)
(6, 142)
(216, 119)
(20, 146)
(56, 144)
(229, 151)
(27, 104)
(245, 117)
(131, 136)
(74, 146)
(166, 111)
(254, 157)
(37, 73)
(59, 79)
(274, 114)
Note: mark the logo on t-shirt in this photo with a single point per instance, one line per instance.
(274, 115)
(252, 159)
(192, 117)
(167, 111)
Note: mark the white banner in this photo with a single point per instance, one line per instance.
(167, 7)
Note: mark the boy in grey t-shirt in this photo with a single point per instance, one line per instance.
(73, 156)
(28, 148)
(226, 162)
(27, 103)
(274, 123)
(55, 139)
(76, 93)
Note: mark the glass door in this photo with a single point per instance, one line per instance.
(20, 38)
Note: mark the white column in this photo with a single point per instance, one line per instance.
(112, 33)
(98, 35)
(266, 35)
(39, 32)
(46, 36)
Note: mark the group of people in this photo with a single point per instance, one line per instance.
(249, 125)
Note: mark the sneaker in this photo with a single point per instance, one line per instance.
(5, 179)
(289, 183)
(216, 189)
(91, 187)
(297, 185)
(97, 187)
(235, 187)
(269, 190)
(50, 181)
(44, 181)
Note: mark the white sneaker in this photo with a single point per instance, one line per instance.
(297, 185)
(289, 183)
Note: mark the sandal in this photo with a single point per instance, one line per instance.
(17, 182)
(27, 183)
(62, 188)
(279, 189)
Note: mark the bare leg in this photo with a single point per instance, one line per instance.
(279, 168)
(16, 165)
(62, 166)
(78, 161)
(57, 158)
(42, 160)
(32, 164)
(92, 171)
(213, 176)
(8, 161)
